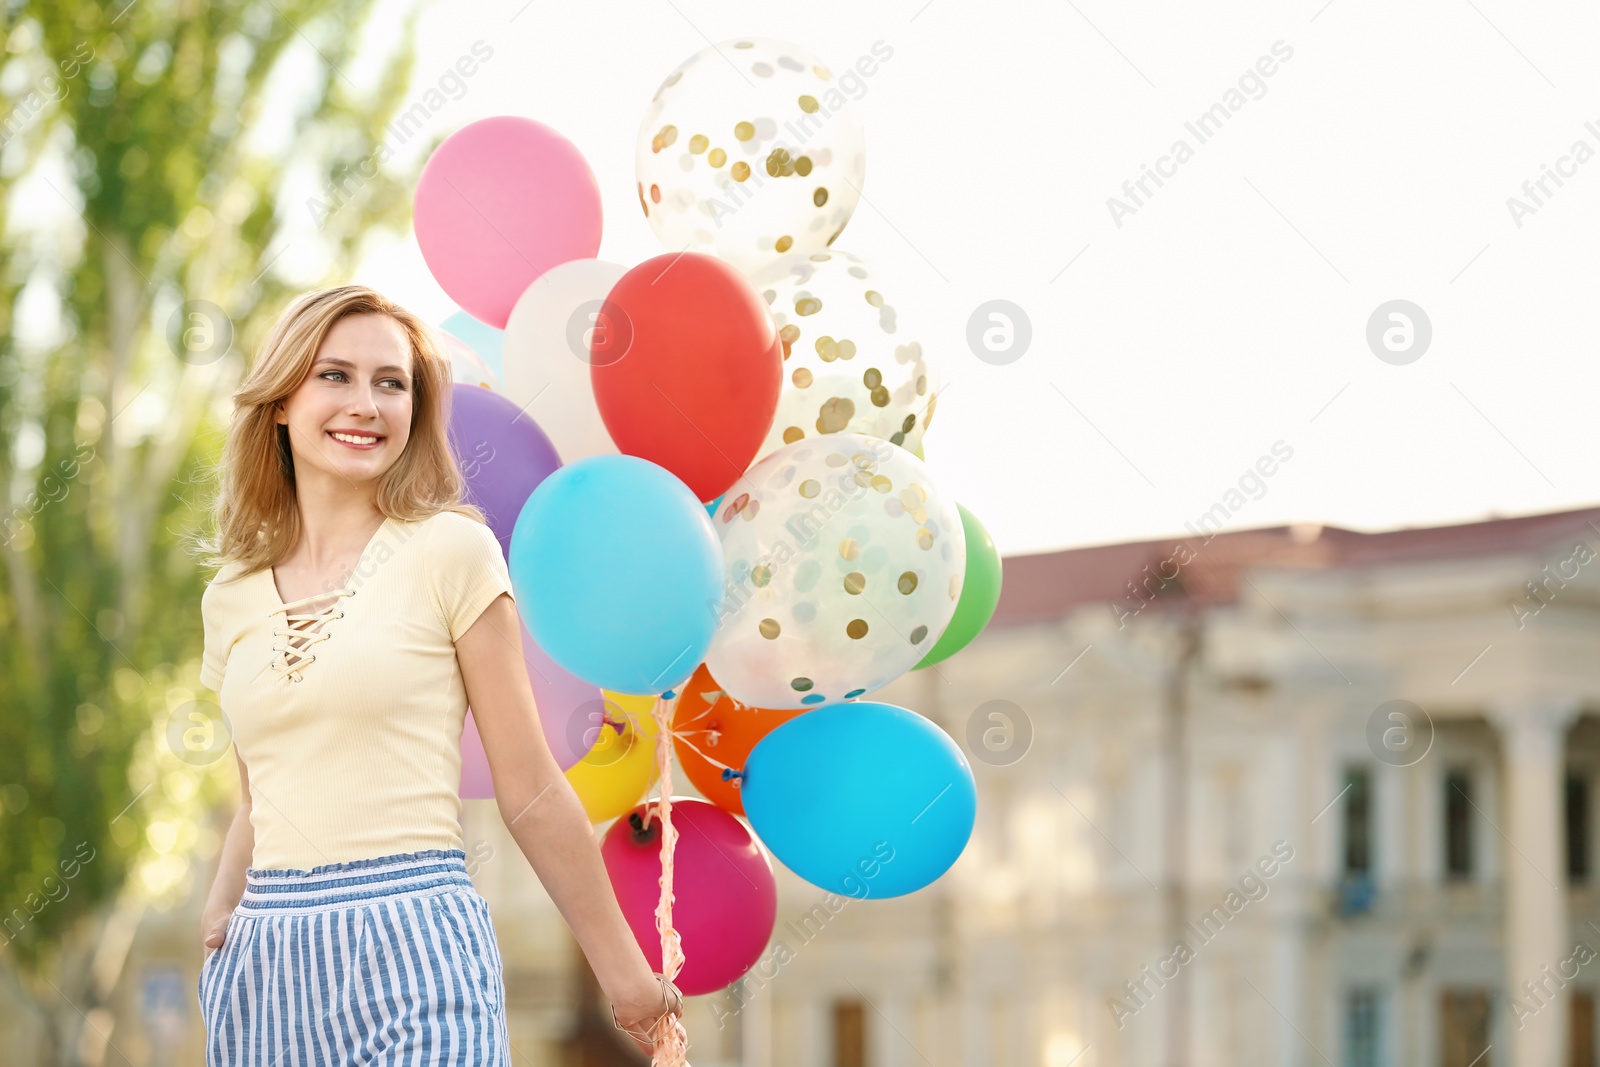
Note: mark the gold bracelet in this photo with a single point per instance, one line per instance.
(665, 1004)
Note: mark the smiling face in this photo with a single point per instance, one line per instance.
(360, 387)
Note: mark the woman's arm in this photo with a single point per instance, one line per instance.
(228, 887)
(545, 815)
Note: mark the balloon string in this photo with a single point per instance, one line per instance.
(671, 1040)
(696, 749)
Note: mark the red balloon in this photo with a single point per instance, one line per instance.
(686, 365)
(724, 895)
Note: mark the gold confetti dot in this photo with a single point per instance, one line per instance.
(857, 629)
(655, 194)
(863, 461)
(918, 634)
(922, 387)
(873, 378)
(744, 131)
(790, 334)
(717, 157)
(740, 171)
(835, 414)
(739, 502)
(907, 583)
(793, 434)
(847, 349)
(819, 197)
(836, 460)
(810, 488)
(882, 483)
(783, 244)
(801, 378)
(800, 685)
(699, 143)
(752, 511)
(770, 629)
(909, 425)
(821, 72)
(880, 397)
(744, 44)
(827, 349)
(802, 166)
(807, 305)
(778, 159)
(761, 576)
(924, 539)
(808, 104)
(875, 298)
(912, 496)
(668, 135)
(848, 549)
(854, 582)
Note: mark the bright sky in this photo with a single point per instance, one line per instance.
(1228, 312)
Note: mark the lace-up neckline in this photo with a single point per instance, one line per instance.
(291, 659)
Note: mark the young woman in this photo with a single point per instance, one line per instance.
(359, 608)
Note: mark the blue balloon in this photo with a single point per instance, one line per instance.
(482, 338)
(618, 573)
(863, 799)
(711, 508)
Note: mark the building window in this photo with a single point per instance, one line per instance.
(1361, 1028)
(1578, 827)
(1458, 859)
(1357, 822)
(849, 1034)
(1464, 1029)
(1580, 1048)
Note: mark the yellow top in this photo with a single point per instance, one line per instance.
(348, 717)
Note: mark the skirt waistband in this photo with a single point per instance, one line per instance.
(335, 885)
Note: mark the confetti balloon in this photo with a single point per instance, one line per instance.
(749, 150)
(851, 362)
(842, 566)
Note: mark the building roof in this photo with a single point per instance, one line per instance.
(1047, 585)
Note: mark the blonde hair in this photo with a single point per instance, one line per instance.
(255, 517)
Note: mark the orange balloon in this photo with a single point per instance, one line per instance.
(709, 720)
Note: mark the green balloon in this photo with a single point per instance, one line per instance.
(980, 592)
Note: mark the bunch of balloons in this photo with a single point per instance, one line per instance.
(706, 473)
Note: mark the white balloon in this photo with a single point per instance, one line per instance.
(465, 363)
(852, 363)
(750, 149)
(842, 564)
(547, 355)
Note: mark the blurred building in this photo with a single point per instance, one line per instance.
(1285, 796)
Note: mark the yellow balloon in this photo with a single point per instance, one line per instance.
(619, 769)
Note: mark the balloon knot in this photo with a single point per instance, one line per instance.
(728, 774)
(668, 695)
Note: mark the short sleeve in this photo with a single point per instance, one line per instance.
(468, 570)
(214, 657)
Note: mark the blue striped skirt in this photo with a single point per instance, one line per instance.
(379, 961)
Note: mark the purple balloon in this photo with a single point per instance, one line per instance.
(502, 453)
(566, 707)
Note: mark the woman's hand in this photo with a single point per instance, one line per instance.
(214, 929)
(638, 1011)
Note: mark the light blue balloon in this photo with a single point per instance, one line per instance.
(482, 338)
(711, 508)
(861, 798)
(618, 573)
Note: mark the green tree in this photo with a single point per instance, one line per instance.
(144, 124)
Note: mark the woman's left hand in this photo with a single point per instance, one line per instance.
(638, 1011)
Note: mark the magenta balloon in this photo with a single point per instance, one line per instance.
(502, 453)
(725, 898)
(501, 201)
(565, 705)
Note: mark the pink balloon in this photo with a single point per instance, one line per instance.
(500, 202)
(569, 709)
(725, 898)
